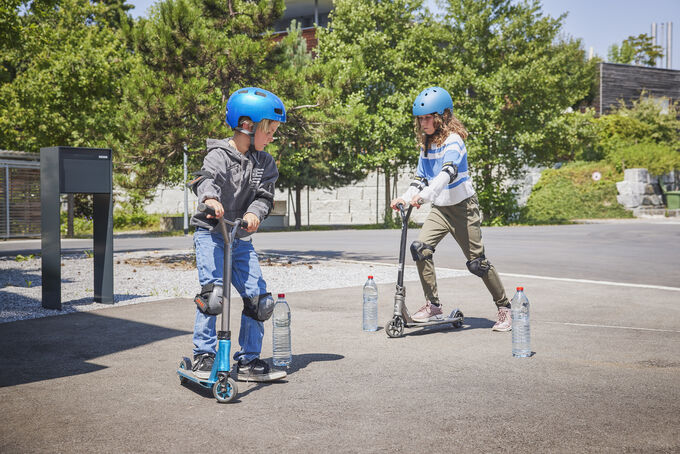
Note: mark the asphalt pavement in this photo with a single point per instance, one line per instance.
(604, 377)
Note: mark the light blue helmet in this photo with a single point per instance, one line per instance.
(431, 100)
(256, 104)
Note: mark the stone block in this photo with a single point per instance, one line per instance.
(333, 206)
(651, 200)
(647, 212)
(629, 200)
(350, 193)
(636, 175)
(316, 218)
(630, 187)
(340, 218)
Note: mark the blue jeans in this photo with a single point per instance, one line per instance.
(246, 277)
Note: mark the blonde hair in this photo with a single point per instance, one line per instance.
(444, 125)
(264, 124)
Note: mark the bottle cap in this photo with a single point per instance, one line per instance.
(282, 295)
(520, 289)
(370, 277)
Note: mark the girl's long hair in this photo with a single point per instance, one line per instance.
(444, 125)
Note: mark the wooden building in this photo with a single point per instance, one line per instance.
(627, 82)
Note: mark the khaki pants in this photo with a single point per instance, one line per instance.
(463, 221)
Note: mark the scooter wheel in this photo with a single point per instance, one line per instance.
(459, 323)
(225, 390)
(395, 327)
(186, 365)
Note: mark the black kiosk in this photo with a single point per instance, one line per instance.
(66, 170)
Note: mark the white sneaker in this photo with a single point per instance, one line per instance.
(504, 322)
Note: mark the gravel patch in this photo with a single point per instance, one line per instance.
(143, 276)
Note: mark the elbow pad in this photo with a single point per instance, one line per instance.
(451, 169)
(419, 183)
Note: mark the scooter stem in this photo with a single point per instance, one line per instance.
(405, 214)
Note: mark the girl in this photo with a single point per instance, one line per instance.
(442, 178)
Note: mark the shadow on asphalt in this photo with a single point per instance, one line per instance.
(468, 323)
(305, 359)
(63, 346)
(327, 254)
(245, 388)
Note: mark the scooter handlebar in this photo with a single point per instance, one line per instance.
(203, 208)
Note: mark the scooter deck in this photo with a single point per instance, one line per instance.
(442, 321)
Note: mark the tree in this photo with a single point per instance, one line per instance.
(303, 155)
(509, 76)
(192, 54)
(377, 57)
(640, 50)
(61, 79)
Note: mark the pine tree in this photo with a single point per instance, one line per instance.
(192, 54)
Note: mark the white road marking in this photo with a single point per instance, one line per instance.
(616, 327)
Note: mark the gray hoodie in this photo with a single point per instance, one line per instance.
(241, 183)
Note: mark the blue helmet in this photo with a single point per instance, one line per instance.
(256, 104)
(431, 100)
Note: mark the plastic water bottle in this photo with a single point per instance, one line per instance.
(521, 333)
(370, 305)
(282, 355)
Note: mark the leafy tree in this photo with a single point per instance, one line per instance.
(192, 54)
(61, 79)
(510, 75)
(376, 57)
(640, 50)
(304, 158)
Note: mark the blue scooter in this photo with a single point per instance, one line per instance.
(223, 385)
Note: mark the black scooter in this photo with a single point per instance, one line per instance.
(402, 319)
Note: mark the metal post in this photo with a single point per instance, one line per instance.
(654, 40)
(103, 247)
(49, 231)
(377, 193)
(316, 13)
(186, 194)
(307, 206)
(669, 45)
(7, 197)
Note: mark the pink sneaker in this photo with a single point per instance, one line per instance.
(504, 322)
(427, 313)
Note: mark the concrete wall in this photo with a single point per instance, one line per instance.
(355, 204)
(360, 203)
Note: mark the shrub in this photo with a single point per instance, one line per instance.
(570, 192)
(658, 159)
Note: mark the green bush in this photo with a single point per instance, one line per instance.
(643, 122)
(658, 159)
(122, 220)
(570, 192)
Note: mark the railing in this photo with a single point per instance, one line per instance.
(19, 198)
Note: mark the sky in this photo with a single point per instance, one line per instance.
(598, 23)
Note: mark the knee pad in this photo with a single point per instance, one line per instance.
(479, 266)
(259, 307)
(421, 251)
(209, 301)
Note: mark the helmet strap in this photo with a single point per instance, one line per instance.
(251, 148)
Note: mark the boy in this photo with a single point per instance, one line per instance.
(442, 178)
(237, 181)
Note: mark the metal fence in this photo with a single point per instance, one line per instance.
(19, 195)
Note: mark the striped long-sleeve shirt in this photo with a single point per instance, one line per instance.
(434, 184)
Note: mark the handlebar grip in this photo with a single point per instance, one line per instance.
(203, 208)
(400, 206)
